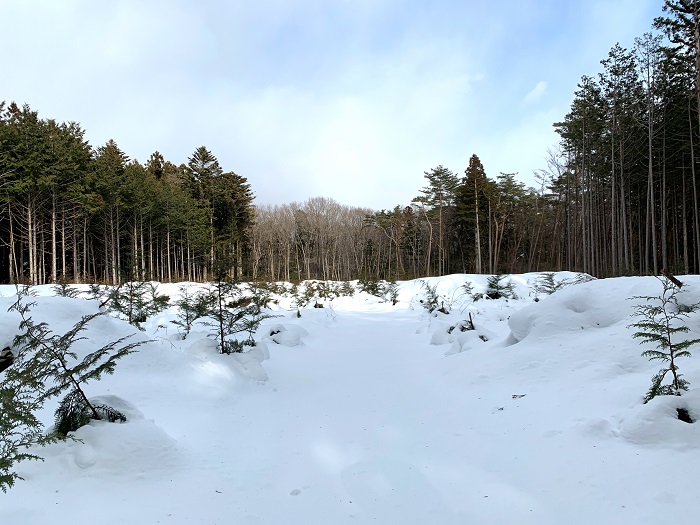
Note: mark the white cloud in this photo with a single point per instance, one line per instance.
(536, 93)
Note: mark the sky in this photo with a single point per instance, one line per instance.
(348, 99)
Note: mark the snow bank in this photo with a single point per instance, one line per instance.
(592, 305)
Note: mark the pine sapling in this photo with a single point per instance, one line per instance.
(547, 284)
(137, 301)
(190, 307)
(49, 359)
(232, 313)
(20, 429)
(661, 322)
(497, 290)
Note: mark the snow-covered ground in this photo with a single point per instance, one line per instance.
(369, 412)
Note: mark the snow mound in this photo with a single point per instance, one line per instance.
(286, 335)
(249, 364)
(657, 423)
(102, 449)
(590, 305)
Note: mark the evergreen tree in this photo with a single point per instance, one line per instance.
(20, 429)
(46, 358)
(438, 199)
(472, 199)
(661, 321)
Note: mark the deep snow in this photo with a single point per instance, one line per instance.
(371, 413)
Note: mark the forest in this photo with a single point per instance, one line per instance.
(618, 196)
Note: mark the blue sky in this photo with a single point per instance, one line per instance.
(348, 99)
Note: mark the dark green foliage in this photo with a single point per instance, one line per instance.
(20, 429)
(302, 294)
(231, 312)
(346, 289)
(497, 289)
(137, 301)
(63, 289)
(74, 412)
(371, 286)
(98, 292)
(44, 367)
(49, 358)
(70, 211)
(432, 301)
(191, 306)
(547, 284)
(661, 321)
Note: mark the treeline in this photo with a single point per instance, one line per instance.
(620, 192)
(626, 180)
(72, 213)
(456, 224)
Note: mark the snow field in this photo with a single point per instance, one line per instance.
(371, 413)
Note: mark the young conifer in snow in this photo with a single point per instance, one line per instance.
(231, 313)
(48, 358)
(661, 322)
(137, 301)
(192, 305)
(20, 429)
(547, 284)
(498, 290)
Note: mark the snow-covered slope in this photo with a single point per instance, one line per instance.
(371, 413)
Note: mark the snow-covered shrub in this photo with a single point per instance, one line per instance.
(302, 294)
(462, 326)
(346, 289)
(47, 366)
(371, 286)
(497, 289)
(661, 320)
(391, 292)
(547, 284)
(431, 300)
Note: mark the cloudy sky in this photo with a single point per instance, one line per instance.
(348, 99)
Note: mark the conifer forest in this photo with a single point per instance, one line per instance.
(617, 196)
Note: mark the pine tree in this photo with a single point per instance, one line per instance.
(232, 313)
(472, 201)
(661, 321)
(20, 429)
(496, 289)
(137, 300)
(49, 359)
(439, 197)
(190, 307)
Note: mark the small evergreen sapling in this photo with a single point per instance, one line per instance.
(63, 289)
(137, 301)
(661, 321)
(371, 286)
(391, 292)
(547, 284)
(232, 313)
(191, 306)
(48, 358)
(20, 429)
(432, 300)
(497, 290)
